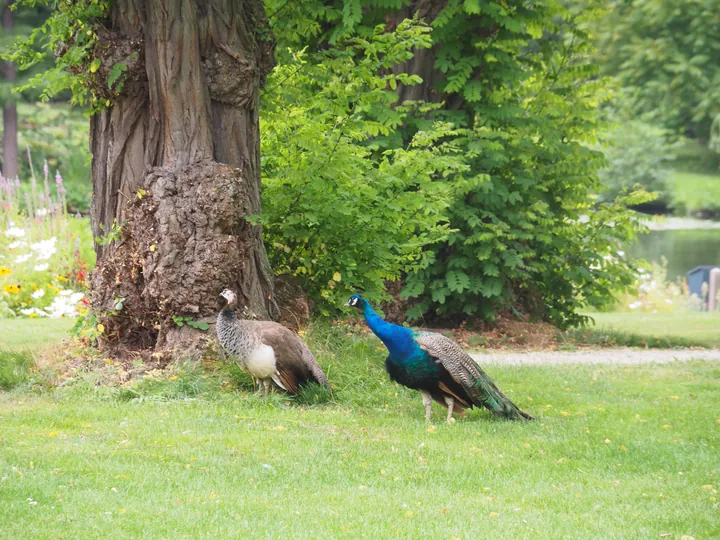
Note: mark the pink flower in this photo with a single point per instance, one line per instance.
(45, 168)
(58, 178)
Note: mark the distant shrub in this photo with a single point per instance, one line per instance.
(637, 153)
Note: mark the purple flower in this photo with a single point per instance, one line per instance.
(42, 197)
(58, 178)
(62, 190)
(78, 214)
(17, 182)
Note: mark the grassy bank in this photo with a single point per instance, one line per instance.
(694, 192)
(659, 330)
(627, 452)
(32, 333)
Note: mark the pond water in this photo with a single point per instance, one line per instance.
(683, 249)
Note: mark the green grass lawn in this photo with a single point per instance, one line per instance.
(673, 329)
(691, 192)
(32, 332)
(616, 452)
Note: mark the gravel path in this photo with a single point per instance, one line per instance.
(602, 356)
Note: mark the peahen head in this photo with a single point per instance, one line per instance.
(231, 298)
(356, 301)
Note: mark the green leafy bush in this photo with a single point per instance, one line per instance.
(637, 153)
(530, 235)
(337, 214)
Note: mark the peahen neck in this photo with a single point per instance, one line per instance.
(398, 339)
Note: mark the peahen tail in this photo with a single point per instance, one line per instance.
(497, 402)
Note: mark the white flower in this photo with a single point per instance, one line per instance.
(41, 212)
(17, 232)
(17, 244)
(635, 305)
(38, 294)
(41, 267)
(621, 253)
(64, 304)
(22, 258)
(36, 311)
(44, 248)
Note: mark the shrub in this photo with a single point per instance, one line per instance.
(637, 153)
(338, 214)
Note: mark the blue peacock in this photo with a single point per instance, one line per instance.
(438, 367)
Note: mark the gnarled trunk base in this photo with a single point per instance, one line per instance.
(176, 170)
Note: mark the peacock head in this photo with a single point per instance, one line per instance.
(356, 301)
(230, 296)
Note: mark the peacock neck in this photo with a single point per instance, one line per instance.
(398, 339)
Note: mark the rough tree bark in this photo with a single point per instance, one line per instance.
(176, 169)
(10, 118)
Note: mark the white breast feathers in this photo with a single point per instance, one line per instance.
(261, 362)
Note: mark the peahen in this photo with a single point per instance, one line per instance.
(267, 350)
(438, 367)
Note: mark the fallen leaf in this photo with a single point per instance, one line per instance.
(492, 515)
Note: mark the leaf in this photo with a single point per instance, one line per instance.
(94, 65)
(199, 325)
(457, 281)
(115, 73)
(337, 276)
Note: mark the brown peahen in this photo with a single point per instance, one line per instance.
(267, 350)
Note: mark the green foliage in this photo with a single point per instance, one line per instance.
(337, 215)
(57, 134)
(637, 153)
(530, 236)
(521, 97)
(180, 320)
(667, 51)
(69, 34)
(25, 18)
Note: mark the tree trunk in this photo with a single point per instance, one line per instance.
(10, 119)
(176, 169)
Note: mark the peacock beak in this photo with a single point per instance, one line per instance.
(347, 303)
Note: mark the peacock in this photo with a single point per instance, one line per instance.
(438, 367)
(267, 350)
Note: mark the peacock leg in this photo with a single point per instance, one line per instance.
(427, 401)
(266, 386)
(450, 402)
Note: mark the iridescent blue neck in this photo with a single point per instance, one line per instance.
(398, 339)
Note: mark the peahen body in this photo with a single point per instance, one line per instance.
(437, 367)
(267, 350)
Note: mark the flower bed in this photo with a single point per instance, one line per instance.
(45, 254)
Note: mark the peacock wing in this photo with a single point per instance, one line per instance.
(462, 368)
